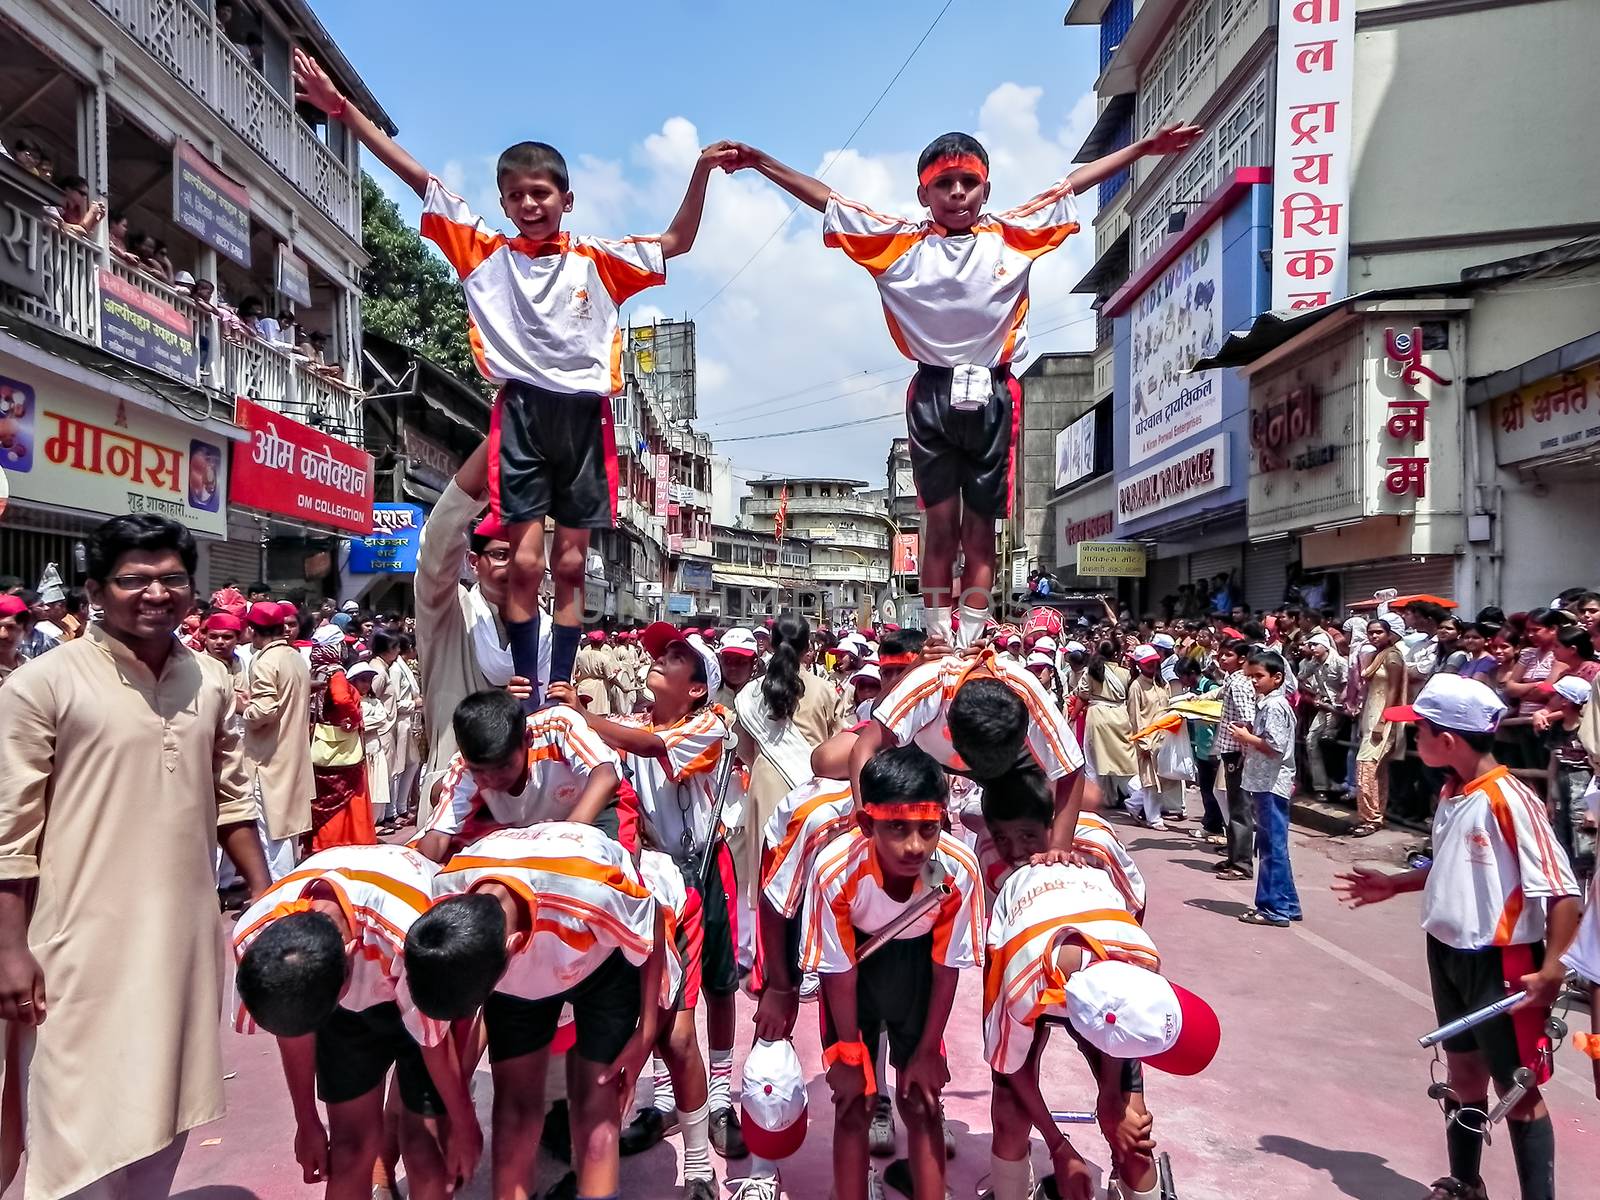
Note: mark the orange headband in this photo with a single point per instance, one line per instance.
(953, 162)
(922, 810)
(897, 660)
(290, 907)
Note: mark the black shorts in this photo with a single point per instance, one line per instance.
(553, 454)
(605, 1011)
(892, 991)
(1466, 980)
(1132, 1068)
(355, 1051)
(719, 968)
(972, 454)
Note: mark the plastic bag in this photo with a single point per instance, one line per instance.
(1175, 757)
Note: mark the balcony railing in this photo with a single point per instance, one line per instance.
(182, 38)
(764, 506)
(263, 372)
(850, 537)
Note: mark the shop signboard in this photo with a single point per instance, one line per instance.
(680, 604)
(145, 329)
(905, 554)
(293, 277)
(1189, 474)
(695, 576)
(1556, 415)
(391, 547)
(296, 471)
(83, 451)
(427, 459)
(663, 466)
(1176, 320)
(1120, 560)
(210, 205)
(1075, 451)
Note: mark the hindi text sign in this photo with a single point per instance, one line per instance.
(296, 471)
(210, 205)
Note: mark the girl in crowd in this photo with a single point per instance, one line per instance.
(1105, 724)
(1384, 677)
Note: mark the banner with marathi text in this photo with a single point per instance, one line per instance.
(296, 471)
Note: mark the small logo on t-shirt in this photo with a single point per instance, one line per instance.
(1480, 851)
(581, 308)
(1000, 270)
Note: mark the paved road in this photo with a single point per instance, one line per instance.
(1317, 1092)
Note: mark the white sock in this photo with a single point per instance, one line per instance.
(939, 621)
(762, 1168)
(721, 1079)
(1011, 1180)
(970, 622)
(665, 1103)
(880, 1062)
(696, 1129)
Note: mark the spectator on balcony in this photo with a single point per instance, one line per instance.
(158, 261)
(252, 315)
(288, 330)
(224, 11)
(75, 214)
(117, 238)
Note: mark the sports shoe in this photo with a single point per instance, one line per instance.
(645, 1130)
(880, 1133)
(699, 1189)
(755, 1187)
(810, 987)
(1451, 1188)
(556, 1136)
(726, 1137)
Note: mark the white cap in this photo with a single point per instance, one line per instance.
(1037, 659)
(866, 671)
(1126, 1011)
(183, 277)
(1163, 641)
(360, 669)
(1455, 703)
(1077, 648)
(854, 644)
(350, 606)
(773, 1100)
(1045, 645)
(1573, 690)
(738, 640)
(1144, 652)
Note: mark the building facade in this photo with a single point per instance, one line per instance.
(849, 533)
(1057, 390)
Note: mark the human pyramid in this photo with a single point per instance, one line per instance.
(572, 863)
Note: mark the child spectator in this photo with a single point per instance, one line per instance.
(1238, 710)
(544, 309)
(1269, 781)
(955, 295)
(1202, 741)
(76, 215)
(1573, 773)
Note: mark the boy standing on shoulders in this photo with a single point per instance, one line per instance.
(1268, 782)
(1500, 908)
(862, 881)
(954, 288)
(544, 322)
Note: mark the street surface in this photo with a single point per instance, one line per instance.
(1317, 1093)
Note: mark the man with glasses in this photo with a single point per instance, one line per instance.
(120, 771)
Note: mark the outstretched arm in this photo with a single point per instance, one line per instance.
(312, 85)
(1169, 139)
(680, 235)
(809, 191)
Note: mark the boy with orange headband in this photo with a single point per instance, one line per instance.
(955, 295)
(861, 884)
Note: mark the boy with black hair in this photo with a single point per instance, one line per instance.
(1238, 708)
(979, 716)
(544, 308)
(526, 922)
(954, 288)
(862, 882)
(516, 769)
(1268, 781)
(670, 752)
(320, 966)
(1500, 908)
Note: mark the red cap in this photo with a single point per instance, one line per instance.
(265, 614)
(1197, 1045)
(13, 606)
(493, 528)
(220, 621)
(289, 613)
(595, 635)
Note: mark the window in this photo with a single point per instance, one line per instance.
(724, 551)
(770, 557)
(808, 489)
(741, 556)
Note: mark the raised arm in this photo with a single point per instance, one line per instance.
(1169, 139)
(680, 235)
(809, 191)
(312, 85)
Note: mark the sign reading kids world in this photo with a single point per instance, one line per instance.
(1177, 320)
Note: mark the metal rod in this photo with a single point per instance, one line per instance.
(933, 876)
(1462, 1024)
(724, 775)
(1521, 1082)
(1072, 1116)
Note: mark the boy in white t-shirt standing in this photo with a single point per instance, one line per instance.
(1500, 909)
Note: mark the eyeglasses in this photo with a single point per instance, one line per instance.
(497, 556)
(173, 581)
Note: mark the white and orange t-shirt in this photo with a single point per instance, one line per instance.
(805, 821)
(846, 893)
(661, 875)
(954, 299)
(1028, 957)
(1093, 838)
(1496, 865)
(676, 793)
(585, 894)
(918, 711)
(382, 891)
(563, 751)
(543, 313)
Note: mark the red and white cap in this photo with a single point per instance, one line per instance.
(1453, 702)
(657, 636)
(1144, 652)
(739, 640)
(773, 1109)
(1044, 644)
(1040, 659)
(1129, 1012)
(866, 671)
(852, 644)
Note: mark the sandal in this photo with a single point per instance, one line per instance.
(1233, 874)
(1365, 829)
(1255, 916)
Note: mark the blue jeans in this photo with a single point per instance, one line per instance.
(1275, 892)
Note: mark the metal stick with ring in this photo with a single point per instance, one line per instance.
(1461, 1024)
(933, 875)
(720, 786)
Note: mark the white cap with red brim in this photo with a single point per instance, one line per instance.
(658, 636)
(1036, 660)
(773, 1101)
(869, 671)
(739, 640)
(1453, 702)
(1127, 1011)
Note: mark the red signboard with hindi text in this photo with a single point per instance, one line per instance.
(296, 471)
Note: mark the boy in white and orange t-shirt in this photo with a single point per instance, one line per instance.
(321, 967)
(1500, 907)
(526, 922)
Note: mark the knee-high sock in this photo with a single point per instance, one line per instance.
(1463, 1147)
(564, 641)
(696, 1129)
(1011, 1180)
(721, 1079)
(1533, 1145)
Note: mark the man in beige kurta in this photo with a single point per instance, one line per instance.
(277, 738)
(114, 782)
(591, 675)
(1148, 700)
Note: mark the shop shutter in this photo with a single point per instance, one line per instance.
(1266, 572)
(1434, 575)
(1222, 560)
(240, 560)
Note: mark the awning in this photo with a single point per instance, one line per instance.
(735, 579)
(1101, 138)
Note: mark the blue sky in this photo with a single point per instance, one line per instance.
(629, 91)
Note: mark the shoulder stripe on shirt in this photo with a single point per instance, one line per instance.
(577, 868)
(465, 247)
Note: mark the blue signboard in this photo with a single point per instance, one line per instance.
(210, 205)
(391, 547)
(145, 329)
(680, 604)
